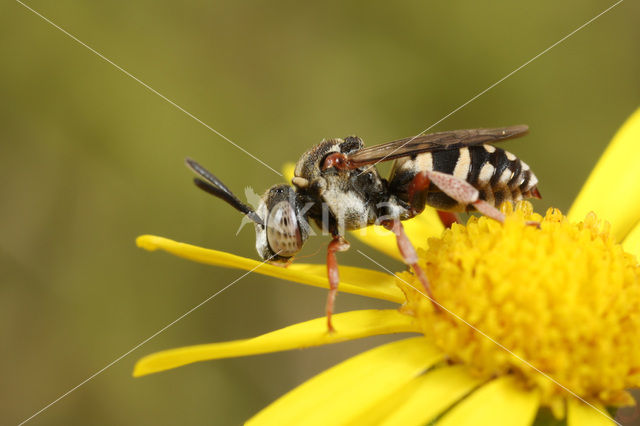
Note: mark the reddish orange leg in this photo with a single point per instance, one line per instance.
(337, 244)
(410, 256)
(419, 184)
(448, 218)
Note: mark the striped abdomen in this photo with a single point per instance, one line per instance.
(497, 174)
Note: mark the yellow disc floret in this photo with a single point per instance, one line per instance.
(564, 297)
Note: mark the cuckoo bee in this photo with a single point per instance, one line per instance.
(337, 186)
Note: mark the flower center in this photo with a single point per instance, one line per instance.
(565, 298)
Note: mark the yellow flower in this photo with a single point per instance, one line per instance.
(534, 320)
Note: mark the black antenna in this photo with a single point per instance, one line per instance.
(215, 187)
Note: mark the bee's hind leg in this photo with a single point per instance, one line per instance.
(464, 193)
(448, 218)
(410, 256)
(417, 199)
(337, 244)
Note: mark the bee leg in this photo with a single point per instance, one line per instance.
(489, 210)
(410, 256)
(464, 193)
(492, 212)
(448, 218)
(337, 244)
(416, 190)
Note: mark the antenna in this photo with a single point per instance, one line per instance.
(215, 187)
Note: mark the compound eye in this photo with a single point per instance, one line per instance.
(283, 232)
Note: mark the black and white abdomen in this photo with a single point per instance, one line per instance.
(498, 175)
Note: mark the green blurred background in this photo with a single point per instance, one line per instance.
(90, 159)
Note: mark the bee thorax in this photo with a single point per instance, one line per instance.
(348, 208)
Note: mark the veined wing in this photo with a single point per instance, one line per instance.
(433, 142)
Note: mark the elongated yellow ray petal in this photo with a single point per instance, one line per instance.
(422, 399)
(580, 414)
(499, 402)
(612, 190)
(631, 243)
(441, 388)
(419, 230)
(287, 171)
(342, 392)
(349, 326)
(360, 281)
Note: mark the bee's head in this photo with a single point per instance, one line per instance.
(284, 229)
(281, 229)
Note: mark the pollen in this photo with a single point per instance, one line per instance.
(557, 306)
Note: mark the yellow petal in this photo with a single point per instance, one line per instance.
(349, 326)
(421, 400)
(360, 281)
(341, 393)
(631, 243)
(612, 190)
(287, 171)
(580, 414)
(419, 230)
(500, 402)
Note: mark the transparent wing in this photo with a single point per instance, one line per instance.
(433, 142)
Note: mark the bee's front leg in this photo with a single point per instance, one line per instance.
(337, 244)
(410, 256)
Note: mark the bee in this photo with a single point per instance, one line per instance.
(337, 186)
